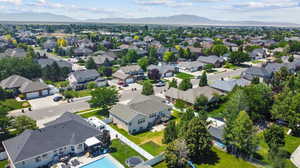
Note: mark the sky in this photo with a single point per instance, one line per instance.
(232, 10)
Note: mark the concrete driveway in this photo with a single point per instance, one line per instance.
(295, 157)
(44, 102)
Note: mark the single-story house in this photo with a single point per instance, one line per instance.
(43, 147)
(190, 96)
(164, 69)
(191, 66)
(16, 52)
(49, 44)
(43, 62)
(129, 74)
(213, 59)
(20, 85)
(259, 72)
(196, 51)
(258, 53)
(228, 85)
(81, 51)
(140, 114)
(79, 79)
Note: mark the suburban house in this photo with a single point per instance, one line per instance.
(258, 72)
(129, 74)
(196, 51)
(228, 85)
(43, 62)
(164, 69)
(191, 66)
(82, 51)
(140, 114)
(49, 44)
(79, 79)
(275, 67)
(258, 53)
(20, 85)
(104, 58)
(213, 59)
(16, 52)
(190, 96)
(43, 147)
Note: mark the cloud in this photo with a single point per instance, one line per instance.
(16, 2)
(266, 4)
(168, 3)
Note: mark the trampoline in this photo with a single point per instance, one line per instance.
(134, 161)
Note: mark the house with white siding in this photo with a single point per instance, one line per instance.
(140, 114)
(43, 147)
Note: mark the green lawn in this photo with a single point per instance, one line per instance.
(182, 75)
(13, 104)
(3, 163)
(141, 138)
(153, 148)
(97, 114)
(58, 84)
(291, 144)
(231, 66)
(218, 159)
(122, 152)
(80, 93)
(256, 61)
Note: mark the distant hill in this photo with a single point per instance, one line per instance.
(187, 20)
(34, 17)
(171, 20)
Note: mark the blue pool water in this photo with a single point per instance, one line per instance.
(101, 163)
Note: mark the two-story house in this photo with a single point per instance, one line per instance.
(140, 114)
(79, 79)
(129, 74)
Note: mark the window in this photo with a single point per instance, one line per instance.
(44, 155)
(152, 115)
(72, 148)
(140, 121)
(79, 146)
(23, 163)
(129, 124)
(38, 159)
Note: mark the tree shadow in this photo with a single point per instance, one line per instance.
(210, 158)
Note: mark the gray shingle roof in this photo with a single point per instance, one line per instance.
(14, 81)
(16, 52)
(162, 68)
(191, 95)
(131, 68)
(82, 76)
(69, 129)
(210, 59)
(46, 61)
(29, 87)
(252, 72)
(228, 85)
(140, 105)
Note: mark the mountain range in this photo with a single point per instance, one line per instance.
(170, 20)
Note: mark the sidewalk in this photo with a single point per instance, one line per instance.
(125, 140)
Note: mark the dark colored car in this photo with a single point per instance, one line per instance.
(57, 98)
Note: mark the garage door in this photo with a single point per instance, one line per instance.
(129, 80)
(45, 92)
(169, 74)
(32, 95)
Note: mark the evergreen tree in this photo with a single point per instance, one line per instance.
(203, 79)
(197, 139)
(170, 132)
(90, 64)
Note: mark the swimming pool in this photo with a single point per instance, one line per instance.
(105, 162)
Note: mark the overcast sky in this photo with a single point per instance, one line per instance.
(259, 10)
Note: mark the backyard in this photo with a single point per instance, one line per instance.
(182, 75)
(218, 159)
(122, 152)
(291, 144)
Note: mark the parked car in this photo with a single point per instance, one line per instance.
(160, 84)
(57, 98)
